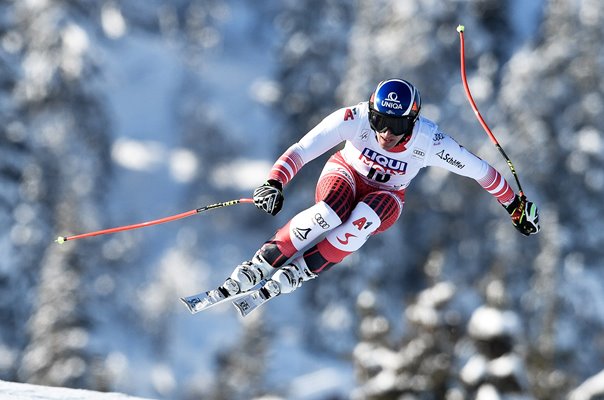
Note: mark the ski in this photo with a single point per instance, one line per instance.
(205, 300)
(255, 298)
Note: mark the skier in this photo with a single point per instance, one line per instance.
(361, 190)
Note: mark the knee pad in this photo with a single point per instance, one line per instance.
(311, 223)
(355, 231)
(387, 205)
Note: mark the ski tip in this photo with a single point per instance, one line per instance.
(61, 239)
(190, 307)
(249, 303)
(460, 28)
(241, 307)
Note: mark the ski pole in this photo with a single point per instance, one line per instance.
(460, 29)
(63, 239)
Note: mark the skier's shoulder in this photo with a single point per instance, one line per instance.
(350, 114)
(347, 121)
(426, 126)
(430, 129)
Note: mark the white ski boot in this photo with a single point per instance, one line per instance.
(248, 275)
(285, 280)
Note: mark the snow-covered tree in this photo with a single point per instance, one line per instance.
(57, 127)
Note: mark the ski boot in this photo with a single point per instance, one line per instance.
(285, 280)
(247, 276)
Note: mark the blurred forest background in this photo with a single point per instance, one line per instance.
(117, 112)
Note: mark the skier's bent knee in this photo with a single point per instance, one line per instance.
(311, 223)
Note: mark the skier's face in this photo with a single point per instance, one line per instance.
(387, 140)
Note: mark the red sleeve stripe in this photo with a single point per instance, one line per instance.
(295, 157)
(278, 176)
(284, 170)
(496, 184)
(287, 166)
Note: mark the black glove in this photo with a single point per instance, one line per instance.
(269, 197)
(525, 215)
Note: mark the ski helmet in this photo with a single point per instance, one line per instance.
(394, 105)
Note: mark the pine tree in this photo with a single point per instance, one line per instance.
(61, 133)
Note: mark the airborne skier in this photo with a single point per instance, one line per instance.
(360, 192)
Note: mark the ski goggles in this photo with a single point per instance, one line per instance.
(398, 125)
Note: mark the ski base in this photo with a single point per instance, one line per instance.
(254, 299)
(206, 300)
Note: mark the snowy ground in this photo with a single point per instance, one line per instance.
(22, 391)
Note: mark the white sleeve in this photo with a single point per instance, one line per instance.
(323, 137)
(448, 154)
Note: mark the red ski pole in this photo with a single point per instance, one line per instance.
(63, 239)
(460, 29)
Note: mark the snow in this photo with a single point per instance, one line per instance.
(592, 387)
(243, 174)
(113, 22)
(488, 322)
(23, 391)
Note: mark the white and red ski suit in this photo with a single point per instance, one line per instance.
(361, 190)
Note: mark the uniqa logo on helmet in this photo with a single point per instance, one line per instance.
(391, 101)
(394, 98)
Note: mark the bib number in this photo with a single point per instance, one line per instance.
(378, 176)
